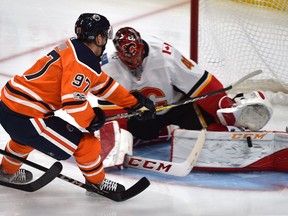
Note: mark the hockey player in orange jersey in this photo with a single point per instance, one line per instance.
(62, 80)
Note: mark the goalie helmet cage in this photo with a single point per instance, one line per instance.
(231, 38)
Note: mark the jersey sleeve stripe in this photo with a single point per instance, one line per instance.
(23, 88)
(78, 109)
(29, 98)
(100, 86)
(104, 102)
(72, 103)
(67, 96)
(111, 90)
(25, 103)
(104, 87)
(200, 85)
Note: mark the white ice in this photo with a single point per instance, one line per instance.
(29, 29)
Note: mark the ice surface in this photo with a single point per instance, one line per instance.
(30, 29)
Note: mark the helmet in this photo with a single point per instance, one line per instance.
(89, 25)
(130, 47)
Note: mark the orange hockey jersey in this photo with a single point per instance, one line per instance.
(62, 79)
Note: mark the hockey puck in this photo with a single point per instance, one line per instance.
(249, 141)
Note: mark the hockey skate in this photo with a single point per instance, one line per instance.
(106, 186)
(21, 177)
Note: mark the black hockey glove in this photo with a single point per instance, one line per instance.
(98, 120)
(146, 102)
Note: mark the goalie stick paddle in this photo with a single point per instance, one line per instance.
(166, 167)
(189, 100)
(43, 180)
(134, 190)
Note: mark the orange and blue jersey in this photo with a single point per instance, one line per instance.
(61, 80)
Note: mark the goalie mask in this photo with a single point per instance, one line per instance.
(130, 48)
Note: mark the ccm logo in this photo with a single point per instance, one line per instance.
(244, 136)
(148, 164)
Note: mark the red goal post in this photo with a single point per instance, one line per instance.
(231, 38)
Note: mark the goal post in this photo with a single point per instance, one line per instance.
(231, 38)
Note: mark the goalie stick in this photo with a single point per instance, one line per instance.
(134, 190)
(189, 100)
(166, 167)
(43, 180)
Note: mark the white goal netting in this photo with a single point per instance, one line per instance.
(239, 36)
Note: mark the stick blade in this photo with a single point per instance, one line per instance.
(136, 189)
(42, 181)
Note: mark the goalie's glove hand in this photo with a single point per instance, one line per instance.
(142, 102)
(98, 120)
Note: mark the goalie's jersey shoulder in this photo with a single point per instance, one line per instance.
(160, 53)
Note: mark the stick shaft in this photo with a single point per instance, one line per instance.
(189, 100)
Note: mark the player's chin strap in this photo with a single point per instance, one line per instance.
(189, 100)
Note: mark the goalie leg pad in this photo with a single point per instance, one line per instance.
(228, 151)
(116, 143)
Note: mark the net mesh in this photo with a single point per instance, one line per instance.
(237, 37)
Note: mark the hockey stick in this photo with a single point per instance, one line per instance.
(189, 100)
(166, 167)
(134, 190)
(43, 180)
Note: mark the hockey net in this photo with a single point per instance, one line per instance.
(235, 37)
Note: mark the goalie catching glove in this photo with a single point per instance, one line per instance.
(250, 111)
(142, 102)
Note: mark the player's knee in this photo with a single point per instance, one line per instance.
(88, 149)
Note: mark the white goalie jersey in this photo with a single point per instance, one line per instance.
(164, 62)
(166, 76)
